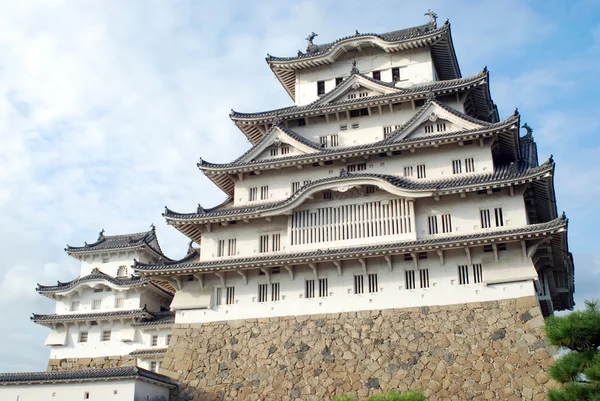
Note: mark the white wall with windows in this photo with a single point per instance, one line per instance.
(112, 263)
(433, 284)
(415, 67)
(117, 390)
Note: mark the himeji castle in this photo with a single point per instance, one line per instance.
(389, 230)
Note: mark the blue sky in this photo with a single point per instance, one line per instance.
(106, 106)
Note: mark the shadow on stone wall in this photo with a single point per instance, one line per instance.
(488, 350)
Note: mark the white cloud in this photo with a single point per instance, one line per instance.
(106, 106)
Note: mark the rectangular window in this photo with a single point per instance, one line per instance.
(264, 192)
(433, 225)
(357, 167)
(309, 289)
(359, 113)
(86, 395)
(218, 292)
(306, 182)
(419, 102)
(395, 74)
(446, 223)
(410, 279)
(424, 278)
(274, 152)
(377, 75)
(119, 302)
(429, 129)
(338, 81)
(408, 171)
(373, 283)
(463, 274)
(363, 94)
(355, 125)
(285, 150)
(352, 96)
(370, 189)
(333, 140)
(323, 287)
(477, 273)
(441, 127)
(83, 336)
(96, 304)
(74, 306)
(301, 122)
(97, 289)
(232, 247)
(328, 141)
(275, 292)
(168, 339)
(153, 366)
(499, 218)
(469, 165)
(327, 195)
(263, 244)
(106, 334)
(230, 295)
(359, 284)
(456, 166)
(276, 242)
(387, 131)
(344, 127)
(484, 214)
(253, 194)
(295, 186)
(421, 171)
(221, 248)
(154, 340)
(320, 87)
(262, 292)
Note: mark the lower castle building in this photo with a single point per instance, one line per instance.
(387, 231)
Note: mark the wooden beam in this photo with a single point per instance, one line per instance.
(524, 249)
(240, 176)
(290, 270)
(267, 274)
(415, 258)
(495, 248)
(221, 276)
(441, 256)
(244, 275)
(200, 278)
(338, 265)
(468, 253)
(388, 259)
(313, 266)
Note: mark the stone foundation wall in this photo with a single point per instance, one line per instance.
(90, 363)
(477, 351)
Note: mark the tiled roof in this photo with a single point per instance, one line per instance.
(148, 352)
(529, 151)
(325, 254)
(78, 317)
(511, 172)
(436, 86)
(394, 36)
(96, 275)
(385, 143)
(118, 373)
(165, 318)
(142, 240)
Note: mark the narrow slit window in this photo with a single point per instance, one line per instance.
(327, 195)
(469, 165)
(373, 283)
(359, 284)
(421, 171)
(264, 192)
(230, 299)
(485, 218)
(410, 279)
(323, 287)
(424, 278)
(441, 127)
(446, 223)
(221, 248)
(119, 302)
(252, 194)
(477, 273)
(498, 217)
(274, 151)
(429, 128)
(295, 186)
(433, 225)
(275, 292)
(232, 247)
(276, 242)
(263, 244)
(408, 171)
(309, 289)
(320, 87)
(456, 166)
(463, 274)
(96, 304)
(262, 292)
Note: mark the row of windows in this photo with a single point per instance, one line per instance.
(409, 171)
(468, 163)
(106, 335)
(443, 223)
(263, 243)
(97, 304)
(398, 74)
(230, 250)
(361, 284)
(430, 128)
(253, 193)
(284, 150)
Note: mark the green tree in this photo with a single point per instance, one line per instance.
(579, 368)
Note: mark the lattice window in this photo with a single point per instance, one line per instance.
(370, 189)
(498, 217)
(285, 150)
(274, 151)
(429, 128)
(253, 194)
(276, 242)
(463, 274)
(441, 127)
(154, 366)
(154, 340)
(338, 81)
(377, 75)
(408, 171)
(295, 186)
(231, 249)
(359, 112)
(357, 167)
(262, 292)
(456, 166)
(409, 276)
(469, 165)
(218, 294)
(395, 74)
(446, 223)
(275, 292)
(96, 304)
(320, 87)
(327, 195)
(264, 192)
(355, 125)
(424, 278)
(230, 295)
(433, 225)
(83, 336)
(359, 284)
(421, 171)
(352, 96)
(221, 248)
(306, 182)
(343, 127)
(486, 218)
(323, 287)
(373, 283)
(309, 289)
(106, 334)
(119, 302)
(74, 306)
(484, 215)
(338, 223)
(263, 244)
(419, 102)
(477, 273)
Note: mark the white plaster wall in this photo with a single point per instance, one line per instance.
(115, 260)
(131, 297)
(444, 288)
(438, 164)
(99, 391)
(417, 63)
(145, 391)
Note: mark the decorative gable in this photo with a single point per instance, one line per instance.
(279, 142)
(355, 87)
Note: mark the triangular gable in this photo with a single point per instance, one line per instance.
(356, 84)
(431, 115)
(276, 137)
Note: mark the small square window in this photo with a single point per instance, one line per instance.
(154, 340)
(86, 395)
(83, 337)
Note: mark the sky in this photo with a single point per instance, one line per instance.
(106, 106)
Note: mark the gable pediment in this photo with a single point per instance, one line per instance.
(279, 142)
(355, 87)
(435, 118)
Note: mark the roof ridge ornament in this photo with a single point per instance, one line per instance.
(310, 47)
(200, 209)
(101, 235)
(356, 33)
(430, 96)
(354, 69)
(344, 173)
(276, 120)
(432, 16)
(529, 130)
